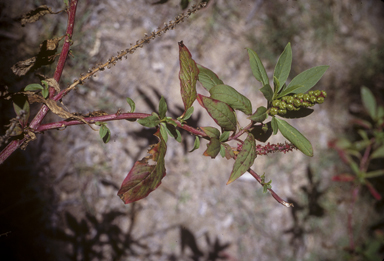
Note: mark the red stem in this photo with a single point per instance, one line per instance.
(35, 123)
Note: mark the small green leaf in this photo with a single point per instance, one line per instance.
(276, 85)
(231, 97)
(267, 91)
(173, 132)
(207, 78)
(33, 87)
(257, 67)
(222, 151)
(229, 154)
(374, 174)
(45, 84)
(220, 112)
(196, 144)
(45, 92)
(283, 66)
(211, 132)
(66, 3)
(378, 153)
(294, 136)
(163, 131)
(289, 90)
(162, 108)
(213, 148)
(187, 114)
(275, 127)
(21, 107)
(260, 115)
(131, 104)
(169, 120)
(150, 121)
(244, 159)
(224, 136)
(369, 102)
(308, 78)
(105, 133)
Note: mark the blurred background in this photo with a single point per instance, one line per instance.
(58, 197)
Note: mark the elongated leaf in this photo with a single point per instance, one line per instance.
(308, 78)
(196, 144)
(211, 132)
(378, 153)
(213, 148)
(369, 102)
(231, 97)
(220, 112)
(187, 114)
(375, 173)
(163, 132)
(145, 177)
(275, 127)
(224, 136)
(188, 76)
(289, 90)
(132, 104)
(244, 159)
(257, 67)
(150, 121)
(260, 115)
(162, 107)
(283, 66)
(267, 91)
(294, 136)
(207, 78)
(21, 107)
(173, 132)
(33, 87)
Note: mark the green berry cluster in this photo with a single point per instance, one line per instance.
(297, 101)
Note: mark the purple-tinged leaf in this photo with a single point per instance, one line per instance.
(188, 76)
(220, 112)
(213, 148)
(244, 159)
(146, 174)
(228, 152)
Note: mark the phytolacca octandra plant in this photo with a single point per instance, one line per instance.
(221, 105)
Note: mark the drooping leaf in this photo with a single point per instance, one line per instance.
(308, 78)
(163, 132)
(378, 153)
(244, 159)
(207, 78)
(162, 107)
(145, 176)
(220, 112)
(211, 132)
(289, 90)
(224, 136)
(213, 148)
(150, 121)
(231, 97)
(173, 132)
(267, 91)
(131, 104)
(369, 102)
(275, 127)
(196, 144)
(283, 66)
(257, 67)
(105, 133)
(228, 152)
(33, 87)
(21, 107)
(260, 115)
(303, 112)
(295, 137)
(34, 15)
(45, 92)
(188, 76)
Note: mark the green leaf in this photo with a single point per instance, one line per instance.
(213, 148)
(267, 91)
(173, 132)
(222, 150)
(308, 78)
(231, 97)
(275, 127)
(295, 137)
(145, 177)
(33, 87)
(187, 114)
(45, 84)
(211, 132)
(244, 159)
(207, 78)
(257, 67)
(188, 76)
(289, 90)
(378, 153)
(228, 154)
(162, 108)
(276, 85)
(150, 121)
(369, 102)
(45, 92)
(163, 131)
(105, 133)
(131, 104)
(220, 112)
(374, 174)
(196, 144)
(260, 115)
(21, 107)
(224, 136)
(283, 66)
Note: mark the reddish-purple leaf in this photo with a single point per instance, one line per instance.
(146, 174)
(188, 76)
